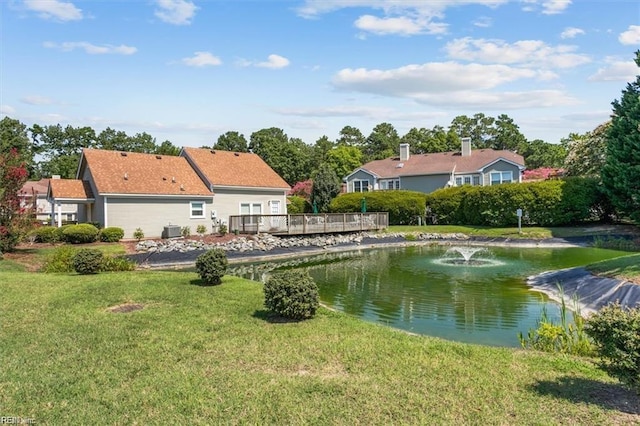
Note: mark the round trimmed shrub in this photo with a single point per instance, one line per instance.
(212, 265)
(46, 234)
(87, 261)
(292, 294)
(80, 234)
(111, 234)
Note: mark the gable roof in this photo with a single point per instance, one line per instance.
(39, 187)
(241, 169)
(133, 173)
(69, 189)
(441, 163)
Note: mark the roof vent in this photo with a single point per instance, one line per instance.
(237, 154)
(124, 154)
(212, 151)
(164, 178)
(126, 176)
(173, 179)
(159, 157)
(399, 165)
(181, 187)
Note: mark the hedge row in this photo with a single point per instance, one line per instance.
(546, 203)
(76, 234)
(404, 207)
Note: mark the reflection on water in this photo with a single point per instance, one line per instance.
(410, 288)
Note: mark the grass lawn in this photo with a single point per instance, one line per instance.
(626, 267)
(212, 355)
(533, 232)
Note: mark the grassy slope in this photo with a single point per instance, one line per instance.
(209, 355)
(627, 267)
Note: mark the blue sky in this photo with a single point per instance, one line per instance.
(189, 71)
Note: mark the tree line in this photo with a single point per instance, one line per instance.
(55, 150)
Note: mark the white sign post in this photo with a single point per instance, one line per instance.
(519, 214)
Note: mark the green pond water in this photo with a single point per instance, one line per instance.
(431, 290)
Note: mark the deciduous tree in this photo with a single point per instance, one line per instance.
(232, 141)
(14, 218)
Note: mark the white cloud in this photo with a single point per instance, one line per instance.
(631, 36)
(553, 7)
(54, 9)
(571, 32)
(483, 22)
(36, 100)
(382, 26)
(450, 84)
(202, 59)
(314, 8)
(274, 62)
(336, 111)
(177, 12)
(7, 109)
(406, 17)
(623, 71)
(91, 49)
(415, 80)
(524, 52)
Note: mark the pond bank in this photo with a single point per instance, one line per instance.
(180, 253)
(590, 292)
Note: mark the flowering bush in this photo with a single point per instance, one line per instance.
(14, 219)
(302, 189)
(541, 173)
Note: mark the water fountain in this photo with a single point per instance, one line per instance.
(467, 256)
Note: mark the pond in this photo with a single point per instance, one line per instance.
(433, 290)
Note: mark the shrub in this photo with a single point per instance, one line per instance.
(117, 263)
(60, 260)
(87, 261)
(404, 207)
(292, 294)
(201, 229)
(111, 235)
(45, 234)
(297, 205)
(185, 231)
(212, 265)
(80, 234)
(138, 234)
(222, 229)
(616, 332)
(546, 203)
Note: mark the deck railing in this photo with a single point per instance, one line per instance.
(301, 224)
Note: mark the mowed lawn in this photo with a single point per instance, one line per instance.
(213, 355)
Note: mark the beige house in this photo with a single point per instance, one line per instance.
(162, 193)
(429, 172)
(34, 194)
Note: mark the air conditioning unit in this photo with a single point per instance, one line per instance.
(171, 231)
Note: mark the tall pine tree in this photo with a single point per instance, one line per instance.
(621, 172)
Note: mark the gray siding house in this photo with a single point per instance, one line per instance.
(429, 172)
(147, 191)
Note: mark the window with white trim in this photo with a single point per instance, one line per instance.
(390, 184)
(360, 186)
(250, 208)
(197, 209)
(467, 180)
(501, 177)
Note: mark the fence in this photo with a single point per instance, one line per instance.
(301, 224)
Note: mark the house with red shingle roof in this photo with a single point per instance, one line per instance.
(200, 187)
(33, 194)
(429, 172)
(242, 182)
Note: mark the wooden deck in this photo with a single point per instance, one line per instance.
(305, 224)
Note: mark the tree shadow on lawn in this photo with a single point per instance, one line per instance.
(200, 283)
(273, 318)
(610, 396)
